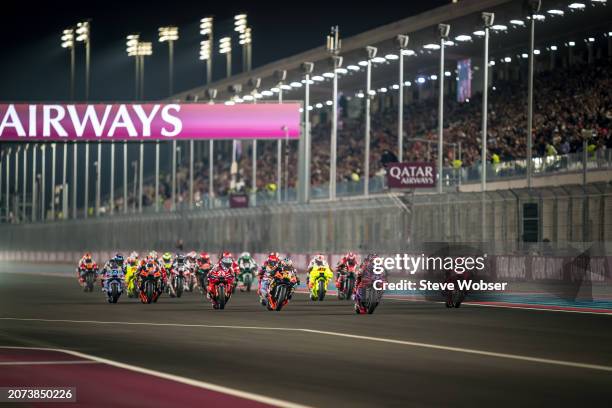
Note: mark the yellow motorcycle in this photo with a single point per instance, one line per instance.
(318, 280)
(130, 280)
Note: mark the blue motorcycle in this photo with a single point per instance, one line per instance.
(114, 284)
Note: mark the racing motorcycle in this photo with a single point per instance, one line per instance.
(113, 284)
(131, 278)
(367, 298)
(319, 286)
(150, 285)
(246, 278)
(346, 283)
(280, 290)
(177, 281)
(190, 278)
(88, 273)
(220, 287)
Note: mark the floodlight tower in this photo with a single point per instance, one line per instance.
(334, 44)
(206, 45)
(169, 34)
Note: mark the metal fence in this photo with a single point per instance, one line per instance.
(386, 223)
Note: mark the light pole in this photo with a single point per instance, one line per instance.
(98, 179)
(333, 47)
(240, 26)
(2, 161)
(86, 178)
(443, 29)
(7, 192)
(173, 194)
(307, 68)
(212, 94)
(140, 175)
(125, 178)
(534, 8)
(488, 19)
(53, 166)
(68, 43)
(225, 47)
(25, 181)
(43, 171)
(64, 181)
(131, 44)
(74, 179)
(16, 186)
(83, 32)
(169, 34)
(34, 192)
(206, 52)
(280, 75)
(143, 49)
(246, 42)
(402, 42)
(111, 204)
(157, 176)
(255, 83)
(371, 51)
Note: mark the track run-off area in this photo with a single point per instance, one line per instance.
(181, 351)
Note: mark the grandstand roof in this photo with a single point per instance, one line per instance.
(595, 20)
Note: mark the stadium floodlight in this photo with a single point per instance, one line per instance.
(507, 59)
(295, 85)
(329, 103)
(433, 77)
(556, 12)
(479, 33)
(407, 83)
(342, 71)
(577, 6)
(225, 47)
(395, 87)
(463, 38)
(318, 105)
(245, 39)
(402, 42)
(553, 48)
(391, 57)
(590, 39)
(379, 60)
(499, 27)
(538, 17)
(206, 51)
(363, 63)
(68, 42)
(131, 44)
(383, 90)
(431, 46)
(421, 80)
(447, 73)
(443, 31)
(169, 34)
(285, 87)
(353, 68)
(328, 75)
(360, 94)
(267, 93)
(83, 34)
(491, 63)
(408, 53)
(333, 46)
(536, 52)
(318, 78)
(449, 43)
(275, 89)
(517, 23)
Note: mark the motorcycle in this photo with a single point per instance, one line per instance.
(177, 281)
(190, 278)
(114, 284)
(200, 276)
(89, 275)
(367, 298)
(280, 290)
(130, 280)
(220, 286)
(319, 286)
(246, 279)
(346, 283)
(150, 285)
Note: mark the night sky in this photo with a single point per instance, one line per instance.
(35, 67)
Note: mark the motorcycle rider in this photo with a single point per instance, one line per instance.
(365, 276)
(287, 266)
(86, 262)
(203, 266)
(317, 265)
(270, 266)
(226, 264)
(130, 271)
(348, 261)
(246, 263)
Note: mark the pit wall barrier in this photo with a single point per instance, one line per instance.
(512, 268)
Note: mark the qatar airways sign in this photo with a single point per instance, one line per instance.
(150, 121)
(411, 175)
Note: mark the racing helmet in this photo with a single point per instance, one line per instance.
(273, 261)
(319, 260)
(167, 257)
(245, 255)
(351, 258)
(119, 259)
(226, 259)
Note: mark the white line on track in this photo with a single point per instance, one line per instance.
(60, 362)
(508, 356)
(176, 378)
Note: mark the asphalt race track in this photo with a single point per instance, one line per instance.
(319, 354)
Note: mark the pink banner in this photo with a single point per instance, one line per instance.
(150, 121)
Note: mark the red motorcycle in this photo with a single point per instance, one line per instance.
(221, 283)
(346, 282)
